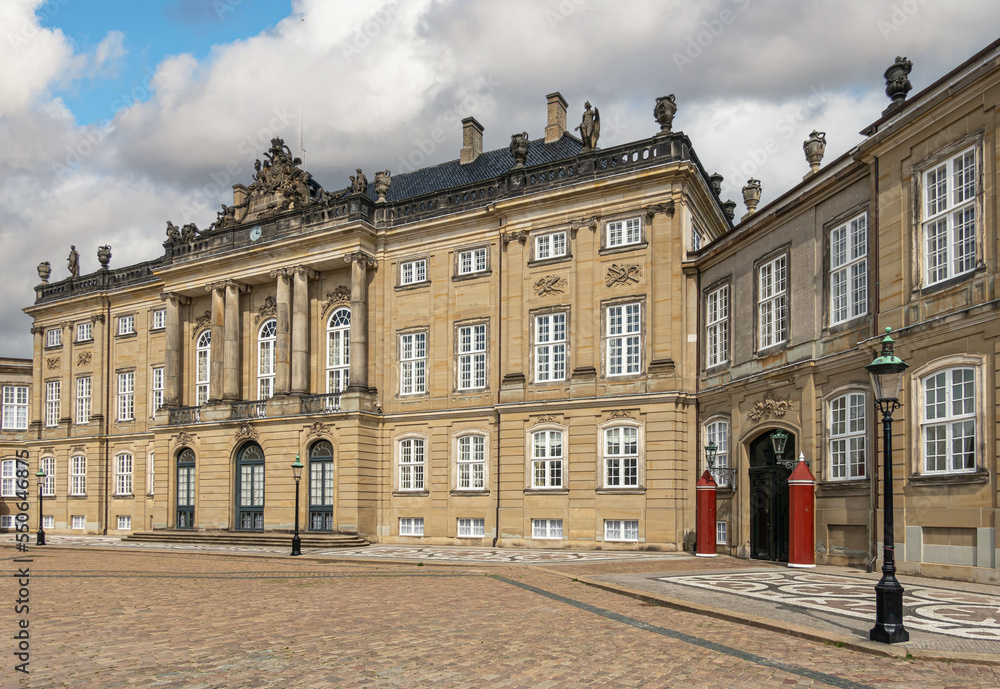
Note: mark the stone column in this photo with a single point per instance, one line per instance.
(359, 261)
(216, 354)
(172, 362)
(300, 330)
(282, 349)
(231, 342)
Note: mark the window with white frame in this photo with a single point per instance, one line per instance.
(48, 522)
(721, 533)
(550, 347)
(203, 367)
(471, 462)
(78, 475)
(547, 459)
(717, 432)
(696, 239)
(717, 327)
(411, 526)
(471, 528)
(949, 421)
(123, 474)
(550, 245)
(48, 467)
(8, 478)
(15, 407)
(157, 386)
(159, 319)
(267, 339)
(52, 391)
(624, 331)
(550, 529)
(412, 363)
(126, 396)
(621, 530)
(7, 521)
(126, 325)
(623, 232)
(124, 522)
(472, 356)
(472, 260)
(78, 522)
(83, 392)
(949, 217)
(412, 272)
(621, 457)
(849, 270)
(53, 337)
(411, 464)
(338, 350)
(84, 332)
(772, 302)
(848, 436)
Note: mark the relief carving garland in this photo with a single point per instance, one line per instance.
(768, 407)
(183, 439)
(339, 296)
(268, 308)
(246, 432)
(550, 284)
(318, 428)
(625, 274)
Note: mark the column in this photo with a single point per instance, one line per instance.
(300, 329)
(216, 355)
(282, 349)
(231, 342)
(359, 261)
(172, 361)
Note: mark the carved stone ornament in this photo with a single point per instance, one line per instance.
(626, 274)
(814, 147)
(183, 438)
(359, 183)
(338, 297)
(382, 181)
(182, 235)
(897, 81)
(318, 428)
(74, 450)
(622, 414)
(751, 195)
(769, 407)
(246, 432)
(44, 271)
(267, 310)
(663, 111)
(52, 363)
(546, 419)
(83, 359)
(99, 318)
(362, 257)
(667, 207)
(104, 256)
(519, 144)
(202, 320)
(550, 284)
(591, 222)
(590, 127)
(516, 236)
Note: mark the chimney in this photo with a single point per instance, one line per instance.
(472, 140)
(239, 194)
(556, 125)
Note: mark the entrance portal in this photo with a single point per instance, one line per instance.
(769, 500)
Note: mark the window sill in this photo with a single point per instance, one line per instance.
(469, 494)
(472, 276)
(77, 497)
(842, 486)
(979, 476)
(89, 340)
(546, 491)
(412, 285)
(534, 263)
(607, 250)
(626, 490)
(123, 496)
(124, 336)
(410, 493)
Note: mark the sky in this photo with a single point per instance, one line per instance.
(117, 116)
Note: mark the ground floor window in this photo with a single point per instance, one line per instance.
(411, 526)
(721, 533)
(471, 528)
(124, 523)
(621, 530)
(547, 528)
(7, 521)
(48, 522)
(78, 521)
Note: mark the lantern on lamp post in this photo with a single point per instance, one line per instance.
(297, 473)
(778, 440)
(40, 536)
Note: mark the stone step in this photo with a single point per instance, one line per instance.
(269, 538)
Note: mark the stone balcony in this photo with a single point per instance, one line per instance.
(275, 407)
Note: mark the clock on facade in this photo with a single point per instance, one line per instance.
(255, 233)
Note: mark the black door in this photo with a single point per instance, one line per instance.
(769, 500)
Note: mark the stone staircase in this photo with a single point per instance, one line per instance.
(274, 539)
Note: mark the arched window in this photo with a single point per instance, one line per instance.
(203, 365)
(321, 486)
(848, 436)
(185, 489)
(267, 339)
(338, 350)
(250, 488)
(717, 433)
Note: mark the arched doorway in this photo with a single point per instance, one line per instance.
(250, 488)
(321, 486)
(185, 489)
(769, 499)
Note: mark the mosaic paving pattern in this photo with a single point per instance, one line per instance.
(937, 610)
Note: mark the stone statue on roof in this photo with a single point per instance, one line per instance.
(73, 261)
(359, 183)
(590, 127)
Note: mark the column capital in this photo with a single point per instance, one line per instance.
(97, 318)
(224, 284)
(309, 273)
(176, 298)
(281, 273)
(361, 257)
(37, 330)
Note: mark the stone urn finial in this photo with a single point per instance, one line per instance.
(716, 180)
(815, 147)
(519, 144)
(729, 208)
(897, 82)
(664, 111)
(382, 181)
(44, 271)
(751, 196)
(104, 255)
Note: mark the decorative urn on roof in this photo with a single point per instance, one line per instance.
(663, 111)
(104, 255)
(44, 271)
(382, 181)
(897, 82)
(751, 195)
(815, 147)
(519, 144)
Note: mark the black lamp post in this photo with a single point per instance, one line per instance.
(778, 440)
(40, 536)
(887, 379)
(297, 473)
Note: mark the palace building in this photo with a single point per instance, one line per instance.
(533, 347)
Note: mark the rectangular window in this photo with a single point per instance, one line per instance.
(848, 437)
(949, 423)
(159, 319)
(717, 433)
(621, 530)
(83, 391)
(849, 270)
(722, 533)
(84, 332)
(550, 245)
(126, 396)
(623, 232)
(52, 389)
(411, 526)
(550, 529)
(413, 271)
(547, 459)
(124, 523)
(472, 261)
(78, 476)
(7, 521)
(621, 457)
(623, 339)
(412, 363)
(48, 522)
(53, 337)
(123, 474)
(472, 462)
(772, 302)
(79, 522)
(472, 357)
(471, 528)
(411, 464)
(717, 327)
(126, 325)
(15, 407)
(550, 347)
(48, 467)
(8, 478)
(949, 222)
(157, 388)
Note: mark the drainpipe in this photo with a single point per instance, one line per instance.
(106, 409)
(500, 276)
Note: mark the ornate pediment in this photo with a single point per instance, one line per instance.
(246, 432)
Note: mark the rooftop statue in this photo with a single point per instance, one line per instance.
(73, 262)
(359, 183)
(590, 127)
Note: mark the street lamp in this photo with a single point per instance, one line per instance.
(297, 473)
(40, 536)
(887, 378)
(727, 474)
(778, 440)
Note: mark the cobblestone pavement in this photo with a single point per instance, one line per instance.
(167, 619)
